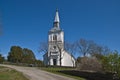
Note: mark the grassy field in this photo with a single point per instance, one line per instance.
(57, 70)
(10, 74)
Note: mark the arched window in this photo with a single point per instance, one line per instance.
(55, 37)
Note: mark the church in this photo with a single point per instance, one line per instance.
(56, 55)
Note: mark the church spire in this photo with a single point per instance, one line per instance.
(56, 21)
(57, 17)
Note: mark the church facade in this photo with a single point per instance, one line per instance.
(56, 55)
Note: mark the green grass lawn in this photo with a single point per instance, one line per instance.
(57, 70)
(10, 74)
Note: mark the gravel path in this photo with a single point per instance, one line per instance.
(36, 74)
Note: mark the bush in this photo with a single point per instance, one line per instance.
(89, 63)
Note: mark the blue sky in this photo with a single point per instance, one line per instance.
(26, 23)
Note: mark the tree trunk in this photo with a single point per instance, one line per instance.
(60, 58)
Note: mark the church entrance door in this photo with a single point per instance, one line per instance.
(54, 62)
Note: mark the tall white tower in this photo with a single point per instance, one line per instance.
(55, 42)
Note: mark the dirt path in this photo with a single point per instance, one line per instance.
(37, 74)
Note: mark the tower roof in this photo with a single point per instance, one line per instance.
(56, 23)
(57, 16)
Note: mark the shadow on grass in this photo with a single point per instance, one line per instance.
(88, 75)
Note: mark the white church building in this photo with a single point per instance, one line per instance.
(56, 55)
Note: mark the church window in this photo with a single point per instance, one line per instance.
(54, 47)
(55, 37)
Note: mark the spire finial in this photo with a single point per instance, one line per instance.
(57, 10)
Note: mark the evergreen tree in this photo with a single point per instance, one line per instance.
(28, 56)
(15, 55)
(19, 55)
(1, 58)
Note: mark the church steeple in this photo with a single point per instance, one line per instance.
(56, 23)
(57, 16)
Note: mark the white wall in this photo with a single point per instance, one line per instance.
(67, 60)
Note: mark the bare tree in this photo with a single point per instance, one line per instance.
(106, 50)
(87, 47)
(100, 51)
(60, 50)
(43, 47)
(84, 46)
(70, 47)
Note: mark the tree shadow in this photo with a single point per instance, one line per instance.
(88, 75)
